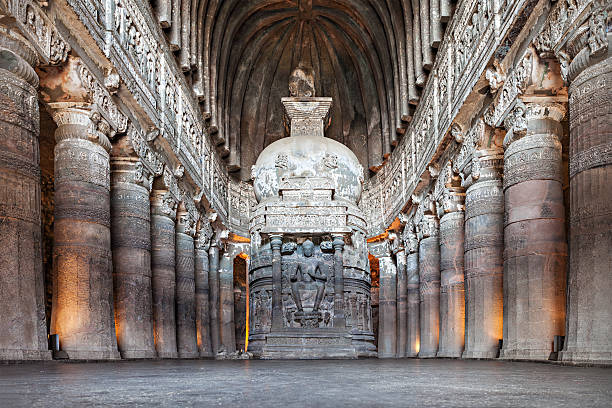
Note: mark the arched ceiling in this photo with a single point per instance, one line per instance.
(370, 56)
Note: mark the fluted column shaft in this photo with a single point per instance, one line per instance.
(413, 335)
(226, 297)
(213, 285)
(131, 244)
(186, 338)
(452, 290)
(589, 308)
(339, 318)
(535, 249)
(163, 263)
(202, 298)
(402, 300)
(82, 311)
(429, 274)
(484, 243)
(22, 321)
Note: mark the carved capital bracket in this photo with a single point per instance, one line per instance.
(380, 249)
(80, 121)
(163, 203)
(517, 122)
(576, 33)
(204, 233)
(73, 83)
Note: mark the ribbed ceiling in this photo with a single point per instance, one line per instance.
(363, 54)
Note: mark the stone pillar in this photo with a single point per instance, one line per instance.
(589, 308)
(276, 241)
(534, 233)
(484, 243)
(387, 304)
(429, 274)
(163, 214)
(186, 338)
(339, 318)
(82, 313)
(202, 246)
(452, 290)
(402, 298)
(413, 314)
(226, 297)
(213, 285)
(131, 244)
(22, 321)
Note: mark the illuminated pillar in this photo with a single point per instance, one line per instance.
(429, 274)
(535, 252)
(387, 315)
(213, 285)
(82, 313)
(163, 214)
(186, 338)
(202, 246)
(22, 320)
(413, 335)
(484, 244)
(402, 298)
(131, 244)
(452, 289)
(226, 297)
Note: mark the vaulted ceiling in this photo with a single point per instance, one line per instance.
(371, 56)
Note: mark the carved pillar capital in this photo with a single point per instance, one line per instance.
(529, 118)
(163, 203)
(204, 234)
(428, 227)
(338, 242)
(80, 122)
(276, 241)
(380, 249)
(185, 223)
(130, 170)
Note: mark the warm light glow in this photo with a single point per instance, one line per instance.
(239, 239)
(248, 304)
(417, 346)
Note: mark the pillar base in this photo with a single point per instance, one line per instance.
(92, 355)
(525, 354)
(479, 354)
(137, 354)
(190, 354)
(592, 357)
(449, 354)
(168, 354)
(427, 354)
(18, 354)
(207, 354)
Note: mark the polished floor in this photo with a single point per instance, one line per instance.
(362, 383)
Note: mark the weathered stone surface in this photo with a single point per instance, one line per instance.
(484, 240)
(452, 290)
(213, 285)
(186, 339)
(534, 238)
(131, 245)
(226, 303)
(429, 275)
(402, 302)
(202, 294)
(413, 305)
(163, 263)
(387, 323)
(22, 321)
(82, 312)
(589, 309)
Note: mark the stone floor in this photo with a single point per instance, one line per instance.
(401, 383)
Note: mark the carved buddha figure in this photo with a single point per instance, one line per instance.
(307, 269)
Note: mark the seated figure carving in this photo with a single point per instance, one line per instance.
(308, 269)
